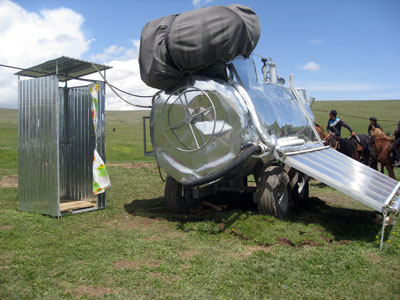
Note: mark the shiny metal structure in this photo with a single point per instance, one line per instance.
(56, 140)
(202, 127)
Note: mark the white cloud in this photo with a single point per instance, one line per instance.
(200, 3)
(310, 66)
(115, 52)
(316, 42)
(125, 75)
(28, 38)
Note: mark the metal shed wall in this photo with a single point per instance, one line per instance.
(38, 145)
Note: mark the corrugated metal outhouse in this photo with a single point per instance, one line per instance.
(60, 128)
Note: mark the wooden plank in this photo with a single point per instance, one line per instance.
(73, 205)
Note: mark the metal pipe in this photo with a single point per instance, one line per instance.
(272, 73)
(384, 214)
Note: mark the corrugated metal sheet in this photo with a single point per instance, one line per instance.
(56, 144)
(38, 155)
(349, 176)
(65, 67)
(76, 144)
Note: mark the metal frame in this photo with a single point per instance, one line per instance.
(146, 151)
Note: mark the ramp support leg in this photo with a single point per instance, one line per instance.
(383, 229)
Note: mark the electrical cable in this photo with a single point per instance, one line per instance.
(130, 94)
(112, 87)
(118, 95)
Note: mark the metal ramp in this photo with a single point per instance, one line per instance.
(354, 179)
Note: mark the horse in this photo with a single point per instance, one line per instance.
(327, 139)
(382, 145)
(355, 148)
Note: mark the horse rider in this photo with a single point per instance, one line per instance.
(373, 122)
(395, 146)
(335, 125)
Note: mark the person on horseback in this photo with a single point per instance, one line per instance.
(335, 125)
(373, 122)
(395, 146)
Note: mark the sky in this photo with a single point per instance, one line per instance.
(336, 49)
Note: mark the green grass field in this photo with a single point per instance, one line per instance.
(135, 249)
(357, 114)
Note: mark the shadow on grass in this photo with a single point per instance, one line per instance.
(344, 224)
(238, 206)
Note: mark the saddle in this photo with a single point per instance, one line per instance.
(359, 146)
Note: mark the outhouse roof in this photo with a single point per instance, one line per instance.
(65, 67)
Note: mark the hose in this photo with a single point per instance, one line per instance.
(239, 159)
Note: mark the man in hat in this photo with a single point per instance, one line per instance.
(395, 146)
(373, 122)
(335, 125)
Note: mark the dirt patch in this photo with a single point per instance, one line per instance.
(184, 267)
(250, 250)
(136, 264)
(127, 264)
(186, 254)
(285, 242)
(373, 258)
(89, 290)
(7, 227)
(9, 181)
(133, 166)
(136, 222)
(6, 256)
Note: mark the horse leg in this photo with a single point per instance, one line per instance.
(383, 168)
(389, 167)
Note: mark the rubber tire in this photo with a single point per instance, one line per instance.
(272, 188)
(174, 200)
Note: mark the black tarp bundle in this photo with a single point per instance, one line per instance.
(175, 46)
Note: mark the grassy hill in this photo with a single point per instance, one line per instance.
(357, 114)
(136, 249)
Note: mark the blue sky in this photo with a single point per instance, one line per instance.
(337, 50)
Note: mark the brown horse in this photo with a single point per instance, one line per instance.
(382, 145)
(326, 138)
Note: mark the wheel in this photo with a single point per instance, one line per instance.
(273, 193)
(298, 184)
(174, 197)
